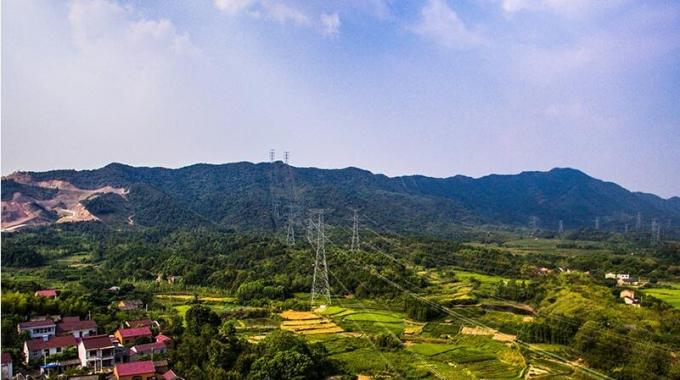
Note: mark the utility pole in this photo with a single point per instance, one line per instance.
(355, 231)
(320, 285)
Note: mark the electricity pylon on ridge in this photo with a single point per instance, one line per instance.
(320, 286)
(354, 246)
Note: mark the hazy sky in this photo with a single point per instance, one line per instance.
(435, 87)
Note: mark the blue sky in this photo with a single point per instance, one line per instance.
(434, 87)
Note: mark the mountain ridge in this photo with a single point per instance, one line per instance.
(255, 196)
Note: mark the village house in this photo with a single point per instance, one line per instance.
(170, 375)
(127, 305)
(165, 340)
(129, 336)
(142, 323)
(7, 366)
(46, 293)
(39, 329)
(610, 275)
(143, 370)
(76, 327)
(147, 349)
(626, 279)
(97, 352)
(628, 296)
(37, 348)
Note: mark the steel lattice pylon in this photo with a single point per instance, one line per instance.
(320, 285)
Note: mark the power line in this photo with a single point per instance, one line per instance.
(457, 315)
(606, 332)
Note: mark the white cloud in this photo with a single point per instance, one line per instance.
(101, 23)
(281, 13)
(330, 24)
(442, 24)
(232, 6)
(569, 8)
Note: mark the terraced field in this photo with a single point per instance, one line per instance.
(308, 323)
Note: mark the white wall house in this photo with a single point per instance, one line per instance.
(97, 352)
(76, 327)
(7, 366)
(39, 329)
(39, 347)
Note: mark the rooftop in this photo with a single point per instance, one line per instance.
(135, 332)
(53, 342)
(46, 293)
(141, 349)
(97, 341)
(43, 323)
(135, 368)
(140, 323)
(74, 323)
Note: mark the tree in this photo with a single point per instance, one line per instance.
(197, 316)
(285, 365)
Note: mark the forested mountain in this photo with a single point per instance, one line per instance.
(247, 196)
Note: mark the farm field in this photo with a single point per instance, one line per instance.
(670, 294)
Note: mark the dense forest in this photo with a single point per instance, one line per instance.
(265, 275)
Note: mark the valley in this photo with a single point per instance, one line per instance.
(402, 307)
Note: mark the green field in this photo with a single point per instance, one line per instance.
(671, 295)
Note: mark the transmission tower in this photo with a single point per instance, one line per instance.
(355, 231)
(638, 221)
(654, 231)
(320, 285)
(533, 224)
(625, 229)
(272, 155)
(597, 223)
(286, 156)
(560, 227)
(290, 233)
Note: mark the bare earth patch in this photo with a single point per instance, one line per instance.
(23, 210)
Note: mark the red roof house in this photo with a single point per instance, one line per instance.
(149, 348)
(141, 323)
(126, 336)
(97, 342)
(6, 358)
(76, 327)
(53, 342)
(46, 293)
(37, 348)
(165, 339)
(139, 370)
(170, 375)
